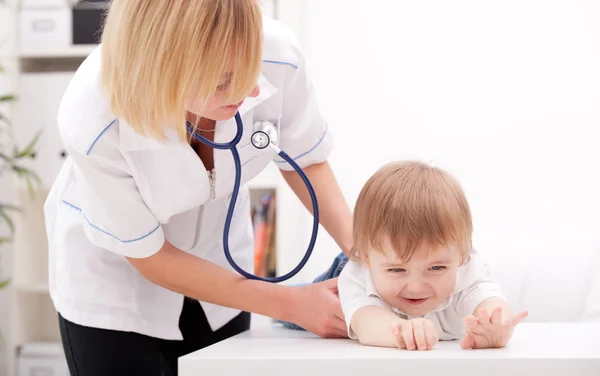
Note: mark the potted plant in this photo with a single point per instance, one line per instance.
(12, 158)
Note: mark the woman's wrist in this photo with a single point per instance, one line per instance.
(288, 303)
(274, 300)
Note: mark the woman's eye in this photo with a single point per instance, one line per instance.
(437, 268)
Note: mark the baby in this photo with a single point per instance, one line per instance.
(413, 278)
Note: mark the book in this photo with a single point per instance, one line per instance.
(263, 214)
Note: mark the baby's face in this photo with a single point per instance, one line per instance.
(419, 285)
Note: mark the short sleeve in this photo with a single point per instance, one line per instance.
(115, 216)
(481, 287)
(304, 134)
(353, 293)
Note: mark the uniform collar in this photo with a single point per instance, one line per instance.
(130, 140)
(466, 276)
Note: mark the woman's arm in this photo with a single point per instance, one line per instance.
(314, 307)
(334, 212)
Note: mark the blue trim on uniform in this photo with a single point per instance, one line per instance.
(98, 137)
(71, 205)
(245, 163)
(281, 62)
(107, 233)
(309, 150)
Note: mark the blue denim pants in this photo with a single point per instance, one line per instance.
(334, 271)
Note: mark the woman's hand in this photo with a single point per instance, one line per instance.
(317, 309)
(483, 331)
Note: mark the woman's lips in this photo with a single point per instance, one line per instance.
(233, 107)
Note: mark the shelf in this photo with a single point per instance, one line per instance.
(81, 51)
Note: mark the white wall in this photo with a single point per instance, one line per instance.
(6, 44)
(504, 95)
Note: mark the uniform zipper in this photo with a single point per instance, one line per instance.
(211, 177)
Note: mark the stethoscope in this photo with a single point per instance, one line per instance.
(264, 135)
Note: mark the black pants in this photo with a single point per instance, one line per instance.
(101, 352)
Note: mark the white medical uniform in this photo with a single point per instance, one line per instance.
(123, 194)
(473, 286)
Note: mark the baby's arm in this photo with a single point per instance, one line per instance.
(489, 321)
(372, 325)
(376, 326)
(368, 318)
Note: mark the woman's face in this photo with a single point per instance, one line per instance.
(216, 108)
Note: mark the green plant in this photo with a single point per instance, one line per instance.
(12, 158)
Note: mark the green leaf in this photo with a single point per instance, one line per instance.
(9, 207)
(3, 284)
(29, 149)
(31, 178)
(5, 157)
(5, 120)
(7, 98)
(5, 240)
(9, 222)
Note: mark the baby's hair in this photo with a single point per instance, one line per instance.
(407, 204)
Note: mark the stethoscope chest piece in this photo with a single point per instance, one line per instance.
(264, 134)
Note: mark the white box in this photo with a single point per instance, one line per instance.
(36, 109)
(44, 30)
(42, 359)
(45, 3)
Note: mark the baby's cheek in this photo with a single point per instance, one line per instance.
(388, 289)
(446, 285)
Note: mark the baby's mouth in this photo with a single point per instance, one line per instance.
(417, 301)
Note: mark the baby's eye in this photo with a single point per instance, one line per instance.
(395, 270)
(438, 268)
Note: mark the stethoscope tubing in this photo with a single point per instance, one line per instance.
(236, 187)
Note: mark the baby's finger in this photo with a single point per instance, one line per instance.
(471, 321)
(483, 316)
(467, 342)
(473, 325)
(430, 336)
(518, 318)
(397, 336)
(407, 334)
(496, 318)
(419, 331)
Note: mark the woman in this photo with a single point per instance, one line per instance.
(135, 217)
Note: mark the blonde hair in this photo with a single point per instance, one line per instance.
(407, 204)
(158, 54)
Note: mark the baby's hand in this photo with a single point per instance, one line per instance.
(485, 332)
(415, 334)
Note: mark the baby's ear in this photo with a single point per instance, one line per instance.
(364, 259)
